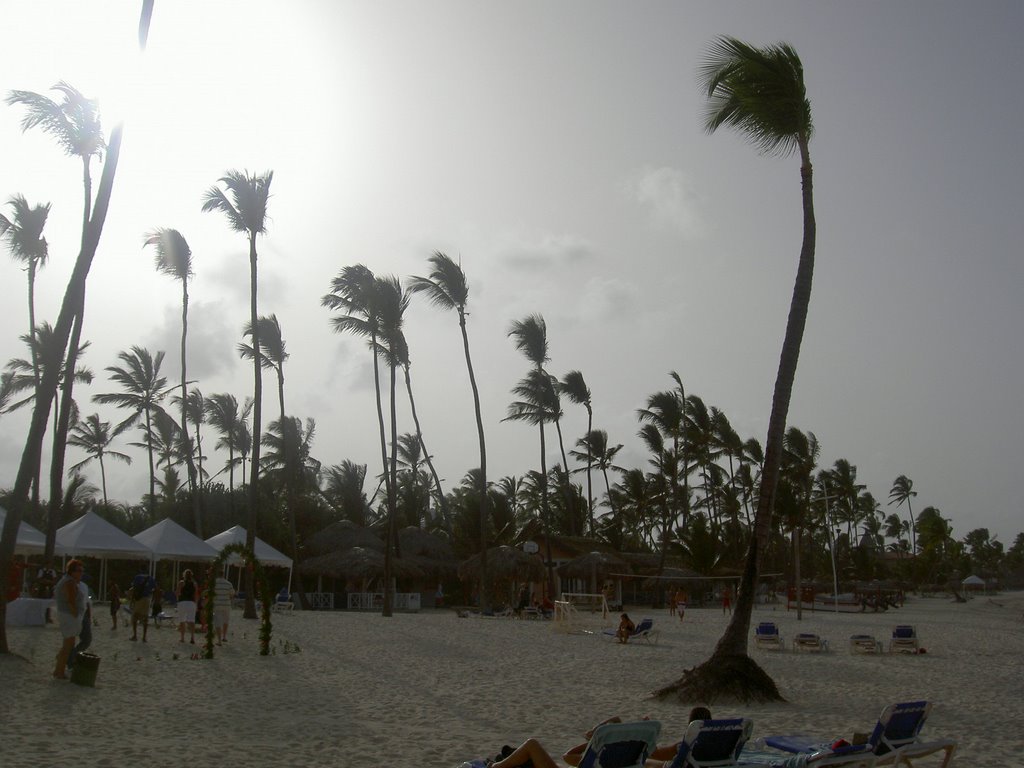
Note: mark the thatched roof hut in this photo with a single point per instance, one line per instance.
(341, 535)
(595, 566)
(428, 551)
(505, 563)
(357, 563)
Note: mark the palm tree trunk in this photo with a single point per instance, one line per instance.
(257, 428)
(546, 512)
(103, 478)
(152, 468)
(590, 464)
(193, 484)
(485, 501)
(60, 434)
(426, 455)
(388, 607)
(734, 640)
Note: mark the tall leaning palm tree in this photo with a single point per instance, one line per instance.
(143, 389)
(74, 122)
(71, 305)
(174, 258)
(244, 204)
(447, 288)
(95, 437)
(761, 93)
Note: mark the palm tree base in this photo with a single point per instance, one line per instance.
(723, 678)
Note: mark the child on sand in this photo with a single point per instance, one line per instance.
(626, 628)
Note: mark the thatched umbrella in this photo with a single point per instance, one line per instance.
(592, 565)
(343, 534)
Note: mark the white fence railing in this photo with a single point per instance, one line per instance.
(374, 601)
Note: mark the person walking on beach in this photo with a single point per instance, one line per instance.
(223, 591)
(188, 590)
(70, 612)
(142, 591)
(681, 599)
(727, 600)
(672, 602)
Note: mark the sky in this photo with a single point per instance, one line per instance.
(557, 150)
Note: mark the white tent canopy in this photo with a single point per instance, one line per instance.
(169, 541)
(92, 536)
(265, 553)
(30, 541)
(973, 581)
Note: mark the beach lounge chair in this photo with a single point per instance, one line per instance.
(893, 741)
(766, 635)
(809, 641)
(644, 631)
(621, 745)
(864, 644)
(712, 743)
(904, 640)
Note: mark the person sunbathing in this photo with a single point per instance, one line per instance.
(532, 753)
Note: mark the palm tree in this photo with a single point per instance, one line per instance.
(23, 234)
(245, 207)
(274, 354)
(761, 93)
(94, 437)
(902, 492)
(71, 305)
(447, 288)
(403, 359)
(574, 386)
(144, 390)
(799, 462)
(75, 123)
(344, 491)
(530, 336)
(372, 307)
(594, 447)
(223, 414)
(195, 413)
(174, 258)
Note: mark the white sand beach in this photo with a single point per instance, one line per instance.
(431, 689)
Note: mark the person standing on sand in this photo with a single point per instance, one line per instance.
(188, 590)
(681, 598)
(142, 591)
(70, 612)
(115, 602)
(672, 602)
(223, 591)
(727, 600)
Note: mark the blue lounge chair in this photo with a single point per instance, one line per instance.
(712, 743)
(766, 635)
(621, 745)
(904, 640)
(894, 739)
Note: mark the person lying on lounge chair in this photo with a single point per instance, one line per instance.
(660, 755)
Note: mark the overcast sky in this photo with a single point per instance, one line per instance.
(557, 149)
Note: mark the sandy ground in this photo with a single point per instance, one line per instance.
(432, 689)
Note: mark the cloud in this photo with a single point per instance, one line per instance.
(666, 195)
(549, 251)
(212, 341)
